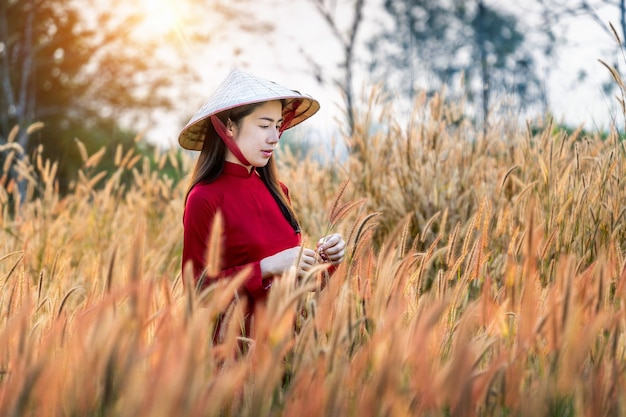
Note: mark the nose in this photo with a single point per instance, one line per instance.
(274, 137)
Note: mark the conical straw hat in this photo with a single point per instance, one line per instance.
(241, 88)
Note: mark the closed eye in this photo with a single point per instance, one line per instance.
(270, 122)
(277, 127)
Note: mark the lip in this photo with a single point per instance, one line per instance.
(267, 152)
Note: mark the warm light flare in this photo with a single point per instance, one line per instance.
(160, 17)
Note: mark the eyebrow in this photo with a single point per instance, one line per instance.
(269, 119)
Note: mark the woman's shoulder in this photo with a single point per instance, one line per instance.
(205, 193)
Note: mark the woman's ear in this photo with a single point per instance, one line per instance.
(230, 128)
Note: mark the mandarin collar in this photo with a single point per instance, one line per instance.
(237, 170)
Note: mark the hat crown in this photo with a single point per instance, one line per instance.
(240, 88)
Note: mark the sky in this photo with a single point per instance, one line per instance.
(582, 101)
(299, 30)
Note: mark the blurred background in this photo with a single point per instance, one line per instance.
(111, 72)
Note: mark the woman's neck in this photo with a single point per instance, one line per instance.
(232, 159)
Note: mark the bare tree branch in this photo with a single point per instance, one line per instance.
(556, 10)
(7, 89)
(348, 43)
(26, 77)
(330, 19)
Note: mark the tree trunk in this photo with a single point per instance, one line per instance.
(349, 61)
(7, 90)
(20, 104)
(348, 44)
(484, 64)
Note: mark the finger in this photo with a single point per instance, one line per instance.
(332, 250)
(333, 240)
(325, 247)
(327, 241)
(305, 265)
(337, 257)
(308, 257)
(323, 256)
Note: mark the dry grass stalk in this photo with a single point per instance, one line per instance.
(483, 277)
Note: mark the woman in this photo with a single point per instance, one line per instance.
(236, 132)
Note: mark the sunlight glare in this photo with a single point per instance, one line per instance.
(161, 17)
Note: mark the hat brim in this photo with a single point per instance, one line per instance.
(239, 89)
(193, 134)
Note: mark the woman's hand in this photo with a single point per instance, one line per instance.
(282, 261)
(332, 248)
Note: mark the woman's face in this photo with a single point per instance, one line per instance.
(257, 134)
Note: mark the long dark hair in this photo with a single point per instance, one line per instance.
(210, 163)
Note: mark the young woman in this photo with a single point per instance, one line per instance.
(237, 131)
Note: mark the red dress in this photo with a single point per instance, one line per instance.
(254, 226)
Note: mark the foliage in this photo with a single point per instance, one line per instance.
(434, 43)
(79, 73)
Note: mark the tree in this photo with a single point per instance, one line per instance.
(440, 42)
(347, 39)
(80, 74)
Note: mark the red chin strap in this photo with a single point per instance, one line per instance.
(230, 143)
(289, 116)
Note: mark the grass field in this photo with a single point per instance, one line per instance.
(485, 276)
